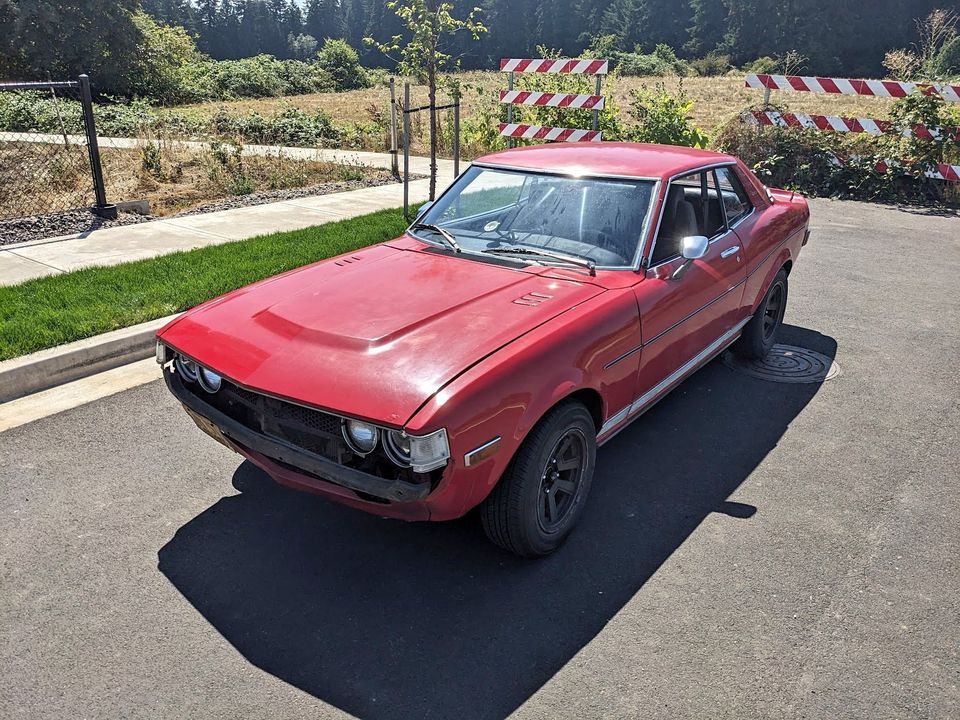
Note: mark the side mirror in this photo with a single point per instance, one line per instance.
(422, 210)
(692, 247)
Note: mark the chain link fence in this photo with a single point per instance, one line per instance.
(43, 173)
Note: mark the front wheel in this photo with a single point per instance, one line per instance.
(760, 333)
(542, 493)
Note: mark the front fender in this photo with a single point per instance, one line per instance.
(506, 394)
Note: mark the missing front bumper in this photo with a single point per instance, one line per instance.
(231, 433)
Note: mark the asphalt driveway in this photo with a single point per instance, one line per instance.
(750, 549)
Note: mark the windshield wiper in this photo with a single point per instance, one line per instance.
(445, 234)
(523, 250)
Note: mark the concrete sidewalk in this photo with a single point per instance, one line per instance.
(111, 246)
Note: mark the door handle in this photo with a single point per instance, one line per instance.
(730, 251)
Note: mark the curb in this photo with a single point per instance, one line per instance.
(48, 368)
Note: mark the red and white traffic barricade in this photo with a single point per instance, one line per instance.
(576, 67)
(574, 101)
(845, 125)
(844, 86)
(551, 134)
(548, 99)
(832, 123)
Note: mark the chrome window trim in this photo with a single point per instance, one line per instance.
(644, 231)
(647, 399)
(746, 194)
(653, 238)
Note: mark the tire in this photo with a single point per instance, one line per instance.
(517, 514)
(760, 334)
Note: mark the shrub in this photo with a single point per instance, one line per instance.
(845, 165)
(711, 64)
(342, 63)
(159, 69)
(765, 65)
(662, 61)
(37, 112)
(663, 118)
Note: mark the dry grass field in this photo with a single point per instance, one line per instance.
(717, 99)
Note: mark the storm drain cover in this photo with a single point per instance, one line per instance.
(787, 364)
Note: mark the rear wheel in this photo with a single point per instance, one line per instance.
(541, 495)
(760, 333)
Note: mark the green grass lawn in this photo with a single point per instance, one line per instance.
(50, 311)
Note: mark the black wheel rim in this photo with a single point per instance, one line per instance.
(560, 480)
(773, 312)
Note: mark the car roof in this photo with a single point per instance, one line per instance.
(606, 158)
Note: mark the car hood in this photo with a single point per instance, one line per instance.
(374, 334)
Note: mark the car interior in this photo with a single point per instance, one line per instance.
(599, 220)
(692, 207)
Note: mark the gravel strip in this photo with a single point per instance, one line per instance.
(70, 222)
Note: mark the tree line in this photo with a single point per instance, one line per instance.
(102, 37)
(835, 37)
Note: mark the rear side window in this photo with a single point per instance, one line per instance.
(735, 200)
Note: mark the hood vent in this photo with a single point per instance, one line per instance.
(532, 299)
(347, 260)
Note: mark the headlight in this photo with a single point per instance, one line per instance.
(360, 436)
(429, 452)
(397, 445)
(186, 368)
(209, 380)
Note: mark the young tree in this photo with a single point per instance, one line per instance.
(431, 25)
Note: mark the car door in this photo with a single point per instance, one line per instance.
(683, 317)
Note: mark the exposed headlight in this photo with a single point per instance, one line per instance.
(360, 436)
(429, 452)
(397, 445)
(186, 368)
(209, 380)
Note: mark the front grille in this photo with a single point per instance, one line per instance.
(312, 430)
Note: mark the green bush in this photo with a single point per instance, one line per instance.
(662, 61)
(664, 118)
(161, 68)
(946, 63)
(37, 112)
(845, 165)
(342, 63)
(765, 65)
(711, 64)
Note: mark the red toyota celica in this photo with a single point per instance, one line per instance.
(547, 299)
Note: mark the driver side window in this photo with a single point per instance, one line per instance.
(692, 207)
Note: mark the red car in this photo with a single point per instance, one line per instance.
(549, 297)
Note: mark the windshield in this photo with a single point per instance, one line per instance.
(499, 211)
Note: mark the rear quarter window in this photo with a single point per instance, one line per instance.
(736, 202)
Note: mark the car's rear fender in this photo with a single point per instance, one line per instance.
(787, 219)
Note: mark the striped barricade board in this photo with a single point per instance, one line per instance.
(540, 65)
(844, 86)
(539, 132)
(549, 99)
(844, 124)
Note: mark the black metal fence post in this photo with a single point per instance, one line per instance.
(102, 208)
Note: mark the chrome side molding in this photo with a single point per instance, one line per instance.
(643, 402)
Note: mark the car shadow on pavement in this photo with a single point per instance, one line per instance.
(385, 619)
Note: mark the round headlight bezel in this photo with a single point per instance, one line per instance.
(354, 444)
(187, 368)
(208, 379)
(391, 445)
